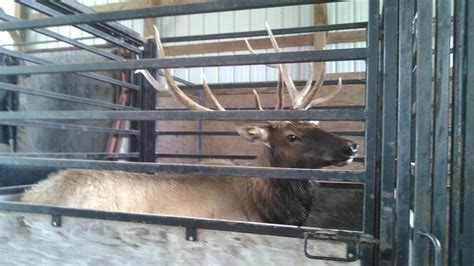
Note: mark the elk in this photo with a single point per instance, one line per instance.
(289, 144)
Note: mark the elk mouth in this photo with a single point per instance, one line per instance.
(345, 161)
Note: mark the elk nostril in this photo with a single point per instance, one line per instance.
(355, 147)
(348, 151)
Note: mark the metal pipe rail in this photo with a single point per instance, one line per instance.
(112, 28)
(74, 155)
(205, 61)
(187, 222)
(266, 84)
(63, 126)
(219, 156)
(283, 31)
(63, 97)
(233, 133)
(68, 40)
(44, 62)
(161, 11)
(287, 173)
(87, 28)
(314, 114)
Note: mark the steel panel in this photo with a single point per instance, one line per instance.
(404, 133)
(371, 91)
(439, 223)
(389, 131)
(457, 134)
(424, 96)
(468, 185)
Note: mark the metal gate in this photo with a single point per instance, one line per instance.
(417, 127)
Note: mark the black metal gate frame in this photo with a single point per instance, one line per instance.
(367, 114)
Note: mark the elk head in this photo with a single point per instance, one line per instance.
(293, 144)
(297, 144)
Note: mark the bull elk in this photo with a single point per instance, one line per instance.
(285, 144)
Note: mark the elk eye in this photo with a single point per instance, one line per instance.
(292, 138)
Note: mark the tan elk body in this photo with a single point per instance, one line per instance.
(285, 144)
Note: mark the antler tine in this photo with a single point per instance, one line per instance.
(309, 82)
(292, 91)
(309, 94)
(280, 96)
(327, 97)
(154, 83)
(177, 92)
(258, 103)
(255, 52)
(209, 93)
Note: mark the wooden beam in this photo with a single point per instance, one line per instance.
(140, 4)
(148, 23)
(320, 38)
(346, 36)
(19, 36)
(231, 46)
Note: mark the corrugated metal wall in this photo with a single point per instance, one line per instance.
(246, 20)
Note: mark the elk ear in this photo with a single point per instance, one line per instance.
(254, 133)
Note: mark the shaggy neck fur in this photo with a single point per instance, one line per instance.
(277, 200)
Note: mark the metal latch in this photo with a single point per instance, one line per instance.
(352, 251)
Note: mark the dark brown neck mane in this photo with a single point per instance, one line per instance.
(281, 201)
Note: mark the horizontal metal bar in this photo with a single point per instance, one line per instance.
(234, 133)
(76, 155)
(204, 61)
(75, 127)
(87, 28)
(63, 97)
(326, 107)
(244, 34)
(23, 44)
(65, 39)
(44, 62)
(219, 156)
(150, 12)
(201, 156)
(315, 114)
(267, 84)
(217, 170)
(201, 223)
(111, 28)
(13, 189)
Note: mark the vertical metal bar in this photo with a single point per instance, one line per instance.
(389, 121)
(371, 127)
(424, 95)
(148, 102)
(457, 136)
(404, 133)
(468, 186)
(441, 115)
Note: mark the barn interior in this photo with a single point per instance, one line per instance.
(82, 110)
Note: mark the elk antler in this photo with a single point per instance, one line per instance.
(300, 99)
(174, 88)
